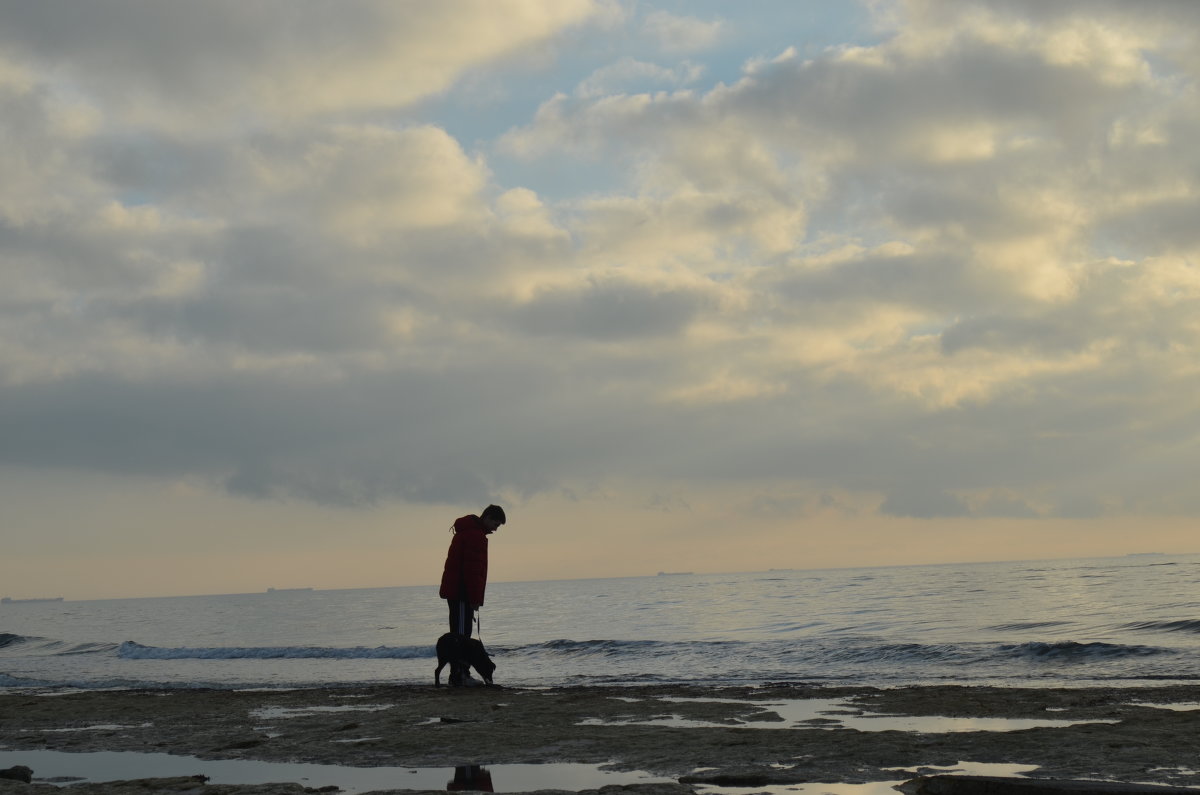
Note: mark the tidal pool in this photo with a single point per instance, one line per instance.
(824, 713)
(59, 767)
(875, 787)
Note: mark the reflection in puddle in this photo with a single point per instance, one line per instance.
(825, 713)
(121, 765)
(471, 777)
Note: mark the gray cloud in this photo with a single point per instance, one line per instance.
(236, 63)
(1000, 332)
(937, 281)
(924, 506)
(610, 310)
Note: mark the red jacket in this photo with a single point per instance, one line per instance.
(465, 575)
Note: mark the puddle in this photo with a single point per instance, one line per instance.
(872, 788)
(925, 724)
(824, 713)
(66, 768)
(875, 787)
(1182, 706)
(1005, 769)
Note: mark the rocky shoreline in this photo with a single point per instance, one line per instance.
(760, 737)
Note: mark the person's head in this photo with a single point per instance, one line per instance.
(493, 517)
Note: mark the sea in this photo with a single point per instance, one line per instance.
(1128, 621)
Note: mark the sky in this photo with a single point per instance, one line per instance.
(288, 286)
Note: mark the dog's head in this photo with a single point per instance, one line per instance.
(477, 658)
(485, 668)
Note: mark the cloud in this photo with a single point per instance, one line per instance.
(676, 34)
(609, 310)
(925, 506)
(950, 273)
(629, 72)
(234, 63)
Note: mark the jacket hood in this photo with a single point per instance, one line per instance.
(470, 523)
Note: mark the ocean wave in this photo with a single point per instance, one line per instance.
(898, 653)
(795, 654)
(84, 648)
(1183, 625)
(135, 651)
(9, 639)
(23, 646)
(1021, 625)
(607, 648)
(625, 648)
(1071, 651)
(803, 654)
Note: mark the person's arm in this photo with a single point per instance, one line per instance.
(475, 565)
(452, 574)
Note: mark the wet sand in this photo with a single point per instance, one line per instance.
(761, 737)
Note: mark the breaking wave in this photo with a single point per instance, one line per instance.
(1070, 651)
(9, 639)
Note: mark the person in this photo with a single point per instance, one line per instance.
(464, 578)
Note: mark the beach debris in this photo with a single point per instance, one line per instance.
(18, 773)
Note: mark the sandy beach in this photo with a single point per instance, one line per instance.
(768, 736)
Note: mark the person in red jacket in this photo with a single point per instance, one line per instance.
(464, 578)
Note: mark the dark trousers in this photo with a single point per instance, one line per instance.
(462, 616)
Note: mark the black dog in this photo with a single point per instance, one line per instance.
(462, 653)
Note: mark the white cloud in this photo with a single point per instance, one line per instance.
(677, 34)
(627, 72)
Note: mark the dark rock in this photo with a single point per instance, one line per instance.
(240, 745)
(18, 773)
